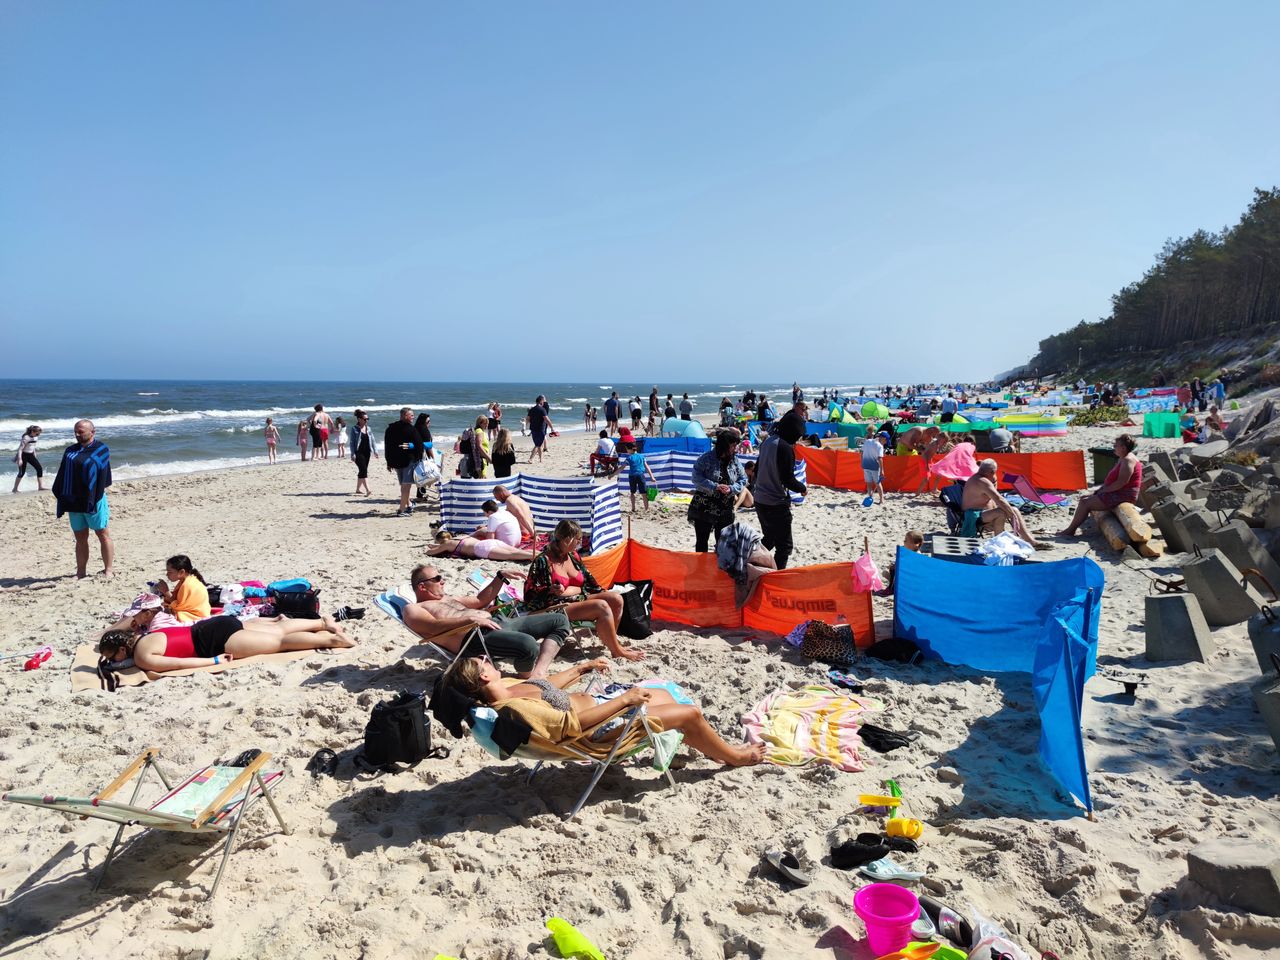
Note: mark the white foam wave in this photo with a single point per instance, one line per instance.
(145, 394)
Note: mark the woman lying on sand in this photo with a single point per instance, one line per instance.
(216, 640)
(447, 545)
(477, 678)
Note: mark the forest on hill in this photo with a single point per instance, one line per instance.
(1203, 287)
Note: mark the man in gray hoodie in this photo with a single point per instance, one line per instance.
(775, 476)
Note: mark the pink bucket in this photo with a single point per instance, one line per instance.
(887, 910)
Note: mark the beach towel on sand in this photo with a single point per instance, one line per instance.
(85, 674)
(815, 723)
(959, 464)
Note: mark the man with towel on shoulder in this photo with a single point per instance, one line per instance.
(81, 490)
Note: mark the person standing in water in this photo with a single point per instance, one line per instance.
(272, 434)
(26, 457)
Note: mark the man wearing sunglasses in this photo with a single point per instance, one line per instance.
(532, 641)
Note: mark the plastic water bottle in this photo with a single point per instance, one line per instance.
(949, 923)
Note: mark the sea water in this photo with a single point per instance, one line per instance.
(156, 427)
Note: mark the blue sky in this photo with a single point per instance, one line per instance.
(571, 190)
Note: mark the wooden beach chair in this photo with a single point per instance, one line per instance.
(213, 800)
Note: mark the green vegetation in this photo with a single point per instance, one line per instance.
(1089, 417)
(1208, 285)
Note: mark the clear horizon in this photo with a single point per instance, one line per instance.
(318, 191)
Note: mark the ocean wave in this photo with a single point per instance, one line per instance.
(139, 471)
(144, 394)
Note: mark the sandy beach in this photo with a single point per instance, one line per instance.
(461, 856)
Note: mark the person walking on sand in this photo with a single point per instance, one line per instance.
(873, 464)
(272, 434)
(539, 423)
(81, 490)
(363, 446)
(775, 480)
(403, 450)
(26, 457)
(321, 425)
(640, 469)
(340, 428)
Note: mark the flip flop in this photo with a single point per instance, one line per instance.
(896, 844)
(855, 853)
(846, 680)
(886, 869)
(324, 763)
(787, 865)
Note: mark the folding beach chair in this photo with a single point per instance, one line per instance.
(1028, 492)
(392, 603)
(635, 736)
(212, 800)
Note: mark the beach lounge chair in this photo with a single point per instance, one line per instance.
(1028, 492)
(635, 736)
(392, 603)
(214, 799)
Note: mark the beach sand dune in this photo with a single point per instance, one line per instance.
(460, 855)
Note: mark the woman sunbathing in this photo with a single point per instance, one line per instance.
(576, 713)
(559, 579)
(447, 545)
(216, 640)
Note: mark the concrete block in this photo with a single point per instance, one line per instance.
(1176, 629)
(1253, 511)
(1266, 697)
(1155, 473)
(1239, 545)
(1195, 528)
(1242, 872)
(1215, 581)
(1271, 518)
(1165, 512)
(1239, 469)
(1264, 634)
(1164, 460)
(1199, 489)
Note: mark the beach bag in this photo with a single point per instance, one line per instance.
(712, 507)
(215, 596)
(297, 604)
(830, 644)
(398, 732)
(865, 575)
(637, 609)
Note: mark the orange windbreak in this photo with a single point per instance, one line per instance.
(1046, 471)
(843, 469)
(788, 597)
(687, 587)
(611, 566)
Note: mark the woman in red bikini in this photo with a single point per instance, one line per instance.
(216, 640)
(557, 578)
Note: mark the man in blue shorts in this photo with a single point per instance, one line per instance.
(81, 489)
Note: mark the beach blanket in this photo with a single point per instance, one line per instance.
(959, 464)
(85, 674)
(813, 724)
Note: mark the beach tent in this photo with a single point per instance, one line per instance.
(673, 470)
(871, 410)
(551, 499)
(1037, 618)
(675, 427)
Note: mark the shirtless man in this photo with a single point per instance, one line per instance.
(520, 510)
(320, 426)
(532, 641)
(980, 493)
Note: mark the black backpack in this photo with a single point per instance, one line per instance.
(399, 732)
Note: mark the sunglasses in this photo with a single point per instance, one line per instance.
(436, 579)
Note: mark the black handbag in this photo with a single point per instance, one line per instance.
(637, 609)
(398, 732)
(711, 506)
(297, 604)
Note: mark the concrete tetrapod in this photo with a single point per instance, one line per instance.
(1224, 597)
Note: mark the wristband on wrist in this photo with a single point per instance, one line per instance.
(217, 660)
